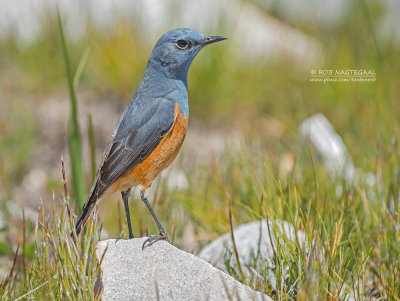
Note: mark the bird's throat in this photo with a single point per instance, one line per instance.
(162, 84)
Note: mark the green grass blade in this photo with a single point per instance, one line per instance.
(74, 136)
(92, 144)
(81, 67)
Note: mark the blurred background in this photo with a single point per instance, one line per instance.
(248, 96)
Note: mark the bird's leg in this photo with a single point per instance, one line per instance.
(163, 235)
(125, 197)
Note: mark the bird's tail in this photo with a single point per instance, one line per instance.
(87, 209)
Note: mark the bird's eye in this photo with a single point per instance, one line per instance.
(182, 44)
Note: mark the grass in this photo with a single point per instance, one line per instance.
(352, 241)
(74, 132)
(63, 267)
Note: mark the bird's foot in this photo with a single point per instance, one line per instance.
(154, 238)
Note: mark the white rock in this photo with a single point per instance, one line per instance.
(255, 237)
(330, 145)
(163, 272)
(249, 241)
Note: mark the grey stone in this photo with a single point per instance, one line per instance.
(256, 238)
(330, 145)
(337, 159)
(250, 239)
(163, 272)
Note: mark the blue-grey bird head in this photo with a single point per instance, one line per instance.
(176, 49)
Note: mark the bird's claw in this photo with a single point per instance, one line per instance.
(154, 238)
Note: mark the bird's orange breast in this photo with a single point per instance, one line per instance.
(160, 158)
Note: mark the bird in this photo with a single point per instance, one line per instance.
(151, 129)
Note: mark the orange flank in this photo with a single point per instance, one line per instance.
(159, 159)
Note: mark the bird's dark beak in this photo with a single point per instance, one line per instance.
(213, 39)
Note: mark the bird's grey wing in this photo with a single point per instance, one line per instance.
(138, 132)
